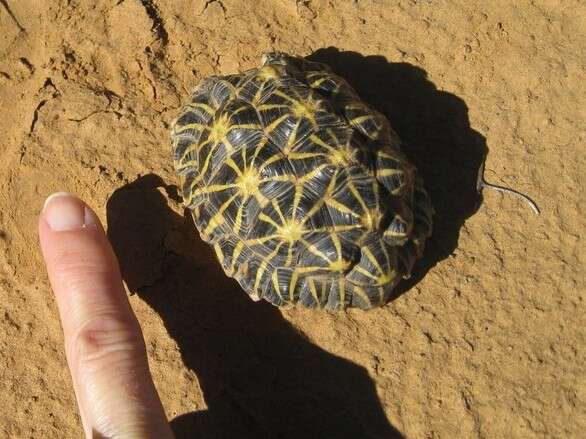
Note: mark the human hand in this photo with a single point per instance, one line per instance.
(103, 342)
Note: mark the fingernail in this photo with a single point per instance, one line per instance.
(64, 212)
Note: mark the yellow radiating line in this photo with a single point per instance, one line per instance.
(238, 221)
(313, 291)
(381, 293)
(376, 192)
(257, 241)
(190, 149)
(192, 126)
(333, 137)
(262, 200)
(276, 123)
(237, 250)
(213, 188)
(358, 120)
(239, 110)
(243, 155)
(336, 240)
(322, 200)
(185, 165)
(318, 82)
(230, 162)
(275, 280)
(265, 107)
(312, 173)
(337, 84)
(313, 209)
(372, 259)
(293, 284)
(346, 227)
(365, 272)
(341, 207)
(229, 146)
(204, 107)
(296, 200)
(343, 228)
(357, 196)
(259, 273)
(278, 209)
(261, 145)
(218, 219)
(286, 97)
(288, 178)
(263, 265)
(386, 254)
(219, 252)
(387, 155)
(246, 126)
(362, 294)
(206, 163)
(200, 176)
(200, 146)
(312, 119)
(293, 136)
(303, 155)
(313, 249)
(387, 172)
(309, 269)
(323, 290)
(332, 184)
(393, 233)
(268, 219)
(270, 161)
(190, 199)
(230, 87)
(321, 143)
(289, 255)
(384, 155)
(259, 91)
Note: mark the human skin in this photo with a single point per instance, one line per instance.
(104, 345)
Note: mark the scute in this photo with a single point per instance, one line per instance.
(328, 253)
(300, 186)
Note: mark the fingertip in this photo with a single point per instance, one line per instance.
(55, 195)
(64, 212)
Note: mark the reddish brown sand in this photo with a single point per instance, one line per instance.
(487, 340)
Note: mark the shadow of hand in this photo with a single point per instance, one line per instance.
(260, 377)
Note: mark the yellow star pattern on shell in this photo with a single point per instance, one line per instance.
(300, 186)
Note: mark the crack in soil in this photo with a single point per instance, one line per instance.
(16, 22)
(158, 26)
(36, 115)
(209, 2)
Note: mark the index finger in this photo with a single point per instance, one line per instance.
(103, 342)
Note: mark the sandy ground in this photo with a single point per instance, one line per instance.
(486, 341)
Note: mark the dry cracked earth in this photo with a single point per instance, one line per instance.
(485, 341)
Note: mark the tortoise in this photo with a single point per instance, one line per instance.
(300, 186)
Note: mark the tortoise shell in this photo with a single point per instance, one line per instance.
(301, 187)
